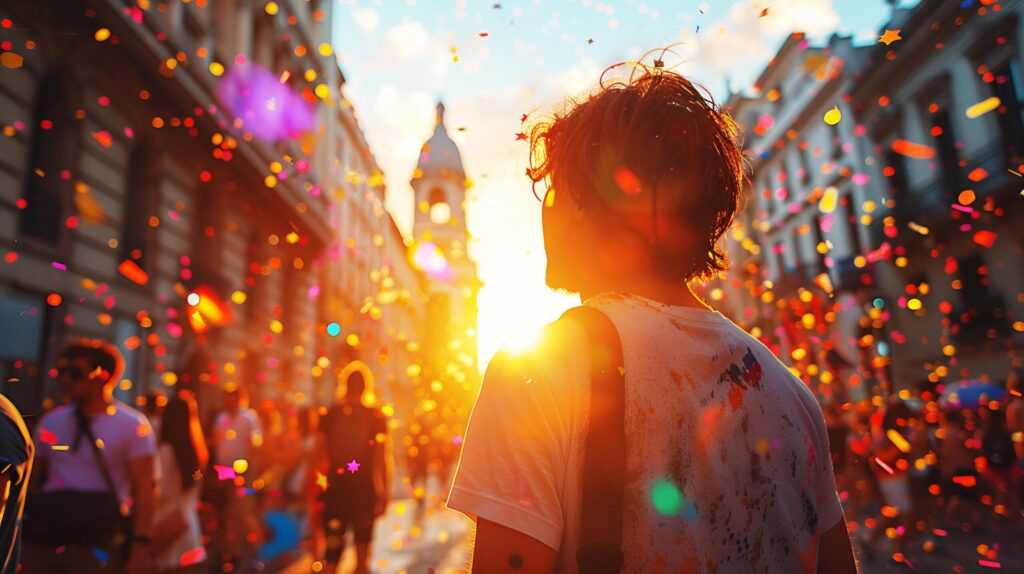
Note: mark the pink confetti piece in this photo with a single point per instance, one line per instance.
(962, 208)
(989, 564)
(57, 265)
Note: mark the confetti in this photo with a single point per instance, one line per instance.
(833, 116)
(11, 60)
(133, 272)
(897, 439)
(983, 107)
(985, 238)
(890, 36)
(977, 174)
(911, 149)
(829, 200)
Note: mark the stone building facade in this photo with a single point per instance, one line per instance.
(884, 252)
(130, 180)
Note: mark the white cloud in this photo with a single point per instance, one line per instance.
(409, 44)
(743, 36)
(366, 18)
(406, 41)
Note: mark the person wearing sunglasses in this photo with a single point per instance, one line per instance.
(91, 509)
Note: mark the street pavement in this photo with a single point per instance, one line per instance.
(952, 551)
(441, 545)
(438, 546)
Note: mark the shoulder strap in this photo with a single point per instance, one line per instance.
(86, 428)
(604, 455)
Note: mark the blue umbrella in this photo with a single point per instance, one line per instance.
(970, 394)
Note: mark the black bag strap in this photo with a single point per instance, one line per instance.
(604, 454)
(85, 428)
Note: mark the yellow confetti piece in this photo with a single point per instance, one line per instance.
(217, 69)
(102, 34)
(271, 8)
(60, 447)
(897, 439)
(833, 116)
(326, 49)
(828, 200)
(983, 107)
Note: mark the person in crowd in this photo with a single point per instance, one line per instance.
(16, 454)
(1001, 471)
(237, 438)
(97, 459)
(153, 404)
(956, 468)
(643, 178)
(1015, 422)
(359, 473)
(178, 545)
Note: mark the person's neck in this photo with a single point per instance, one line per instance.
(668, 293)
(96, 404)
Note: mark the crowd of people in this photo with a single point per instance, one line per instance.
(160, 489)
(164, 489)
(913, 468)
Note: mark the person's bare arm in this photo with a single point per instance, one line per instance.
(502, 550)
(142, 474)
(835, 554)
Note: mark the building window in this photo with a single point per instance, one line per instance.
(53, 149)
(850, 223)
(1008, 86)
(139, 194)
(937, 103)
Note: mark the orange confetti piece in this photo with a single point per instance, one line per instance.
(890, 36)
(103, 136)
(985, 238)
(977, 174)
(911, 149)
(965, 481)
(133, 272)
(11, 60)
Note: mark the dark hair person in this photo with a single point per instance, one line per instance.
(724, 462)
(81, 491)
(183, 459)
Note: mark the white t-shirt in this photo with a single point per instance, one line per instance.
(126, 436)
(727, 459)
(236, 436)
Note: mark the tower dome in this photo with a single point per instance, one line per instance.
(439, 155)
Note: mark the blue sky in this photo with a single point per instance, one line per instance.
(399, 57)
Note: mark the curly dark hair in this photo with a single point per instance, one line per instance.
(634, 140)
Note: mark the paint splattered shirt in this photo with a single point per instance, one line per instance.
(727, 464)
